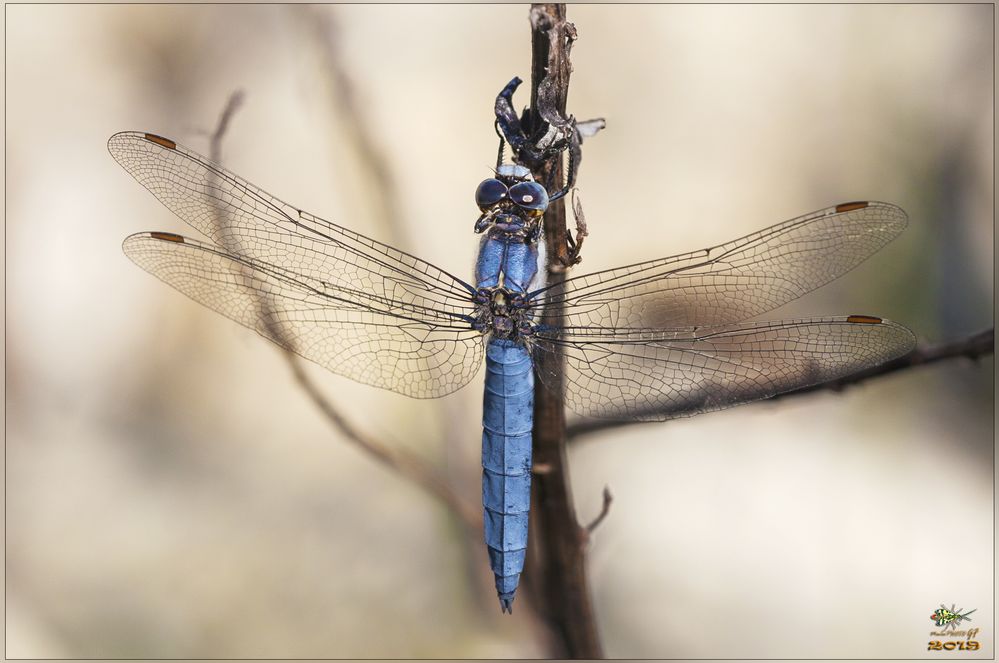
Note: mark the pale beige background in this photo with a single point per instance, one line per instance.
(170, 492)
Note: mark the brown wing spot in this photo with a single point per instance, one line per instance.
(864, 320)
(168, 237)
(849, 207)
(161, 141)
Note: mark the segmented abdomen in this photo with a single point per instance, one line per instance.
(507, 415)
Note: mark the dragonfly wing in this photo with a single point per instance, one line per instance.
(656, 374)
(244, 220)
(362, 336)
(731, 282)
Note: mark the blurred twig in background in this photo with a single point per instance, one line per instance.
(406, 465)
(972, 347)
(604, 510)
(232, 105)
(324, 31)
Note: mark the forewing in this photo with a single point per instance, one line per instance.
(364, 337)
(243, 220)
(731, 282)
(654, 374)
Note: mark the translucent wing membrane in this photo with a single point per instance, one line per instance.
(658, 374)
(246, 221)
(668, 338)
(356, 306)
(363, 336)
(651, 341)
(731, 282)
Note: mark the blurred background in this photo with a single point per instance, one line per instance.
(171, 492)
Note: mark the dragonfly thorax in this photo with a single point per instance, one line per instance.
(503, 313)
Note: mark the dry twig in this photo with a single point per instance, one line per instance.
(971, 347)
(232, 105)
(408, 466)
(556, 575)
(604, 510)
(358, 129)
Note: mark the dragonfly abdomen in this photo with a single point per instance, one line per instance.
(507, 419)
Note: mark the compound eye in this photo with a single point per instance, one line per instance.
(489, 193)
(530, 195)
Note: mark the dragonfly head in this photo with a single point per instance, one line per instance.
(512, 202)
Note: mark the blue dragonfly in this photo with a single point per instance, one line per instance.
(651, 341)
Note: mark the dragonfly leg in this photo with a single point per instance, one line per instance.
(509, 124)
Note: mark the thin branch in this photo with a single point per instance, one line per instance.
(232, 105)
(576, 245)
(972, 347)
(604, 510)
(385, 204)
(407, 466)
(556, 573)
(358, 129)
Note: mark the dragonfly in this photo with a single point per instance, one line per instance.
(660, 339)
